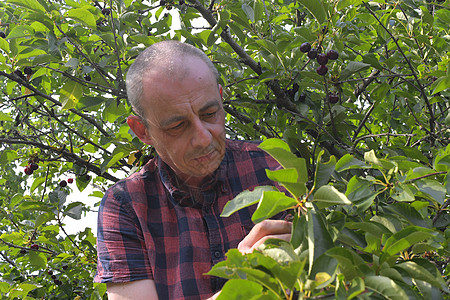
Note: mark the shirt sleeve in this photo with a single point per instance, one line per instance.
(121, 250)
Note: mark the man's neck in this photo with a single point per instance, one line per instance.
(191, 181)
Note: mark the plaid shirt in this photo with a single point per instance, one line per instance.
(150, 229)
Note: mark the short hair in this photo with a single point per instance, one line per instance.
(164, 55)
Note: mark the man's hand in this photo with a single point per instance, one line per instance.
(267, 229)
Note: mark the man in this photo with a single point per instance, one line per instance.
(160, 230)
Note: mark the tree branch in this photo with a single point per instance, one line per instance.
(54, 101)
(66, 154)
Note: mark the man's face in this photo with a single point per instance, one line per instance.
(186, 120)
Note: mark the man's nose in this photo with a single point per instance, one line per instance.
(201, 136)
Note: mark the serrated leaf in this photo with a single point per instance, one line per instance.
(244, 199)
(328, 195)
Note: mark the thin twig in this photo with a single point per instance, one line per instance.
(382, 134)
(430, 109)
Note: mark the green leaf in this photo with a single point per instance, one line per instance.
(22, 290)
(319, 239)
(5, 117)
(404, 239)
(433, 189)
(328, 195)
(38, 259)
(283, 175)
(416, 271)
(403, 193)
(370, 157)
(83, 15)
(347, 162)
(441, 84)
(21, 31)
(279, 250)
(385, 287)
(239, 289)
(32, 5)
(409, 213)
(4, 287)
(349, 262)
(249, 12)
(380, 91)
(42, 218)
(317, 9)
(245, 199)
(373, 228)
(71, 93)
(272, 202)
(4, 45)
(352, 68)
(280, 150)
(323, 170)
(74, 210)
(372, 59)
(37, 182)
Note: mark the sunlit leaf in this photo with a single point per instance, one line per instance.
(244, 199)
(328, 195)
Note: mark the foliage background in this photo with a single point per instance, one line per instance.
(68, 114)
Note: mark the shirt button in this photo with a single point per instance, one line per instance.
(223, 189)
(217, 254)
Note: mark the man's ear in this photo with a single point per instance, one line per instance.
(220, 91)
(139, 129)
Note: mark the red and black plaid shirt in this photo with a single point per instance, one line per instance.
(150, 229)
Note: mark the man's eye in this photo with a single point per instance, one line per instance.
(209, 115)
(177, 127)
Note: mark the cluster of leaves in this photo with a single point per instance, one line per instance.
(386, 234)
(64, 106)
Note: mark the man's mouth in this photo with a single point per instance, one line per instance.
(206, 157)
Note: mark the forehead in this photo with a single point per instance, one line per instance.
(187, 90)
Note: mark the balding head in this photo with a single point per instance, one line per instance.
(165, 58)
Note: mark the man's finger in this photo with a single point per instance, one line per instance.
(263, 231)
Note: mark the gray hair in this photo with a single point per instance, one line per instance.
(166, 56)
